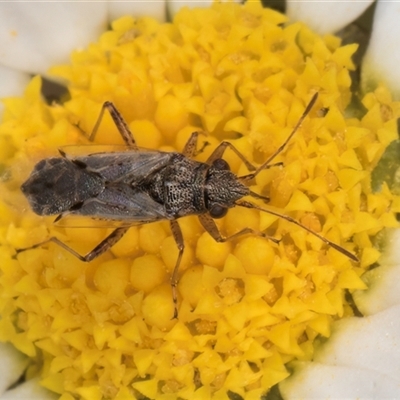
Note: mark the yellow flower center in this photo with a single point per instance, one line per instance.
(247, 307)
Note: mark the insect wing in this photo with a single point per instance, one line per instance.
(69, 220)
(83, 150)
(126, 167)
(56, 184)
(122, 203)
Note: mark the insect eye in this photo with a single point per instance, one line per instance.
(220, 163)
(217, 211)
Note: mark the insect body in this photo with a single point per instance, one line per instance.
(138, 186)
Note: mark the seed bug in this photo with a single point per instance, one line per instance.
(138, 186)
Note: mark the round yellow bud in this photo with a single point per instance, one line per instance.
(190, 285)
(239, 218)
(212, 253)
(111, 277)
(151, 237)
(147, 272)
(256, 255)
(158, 307)
(170, 115)
(146, 134)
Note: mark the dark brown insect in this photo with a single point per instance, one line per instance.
(136, 186)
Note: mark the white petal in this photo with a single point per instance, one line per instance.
(391, 253)
(382, 60)
(29, 390)
(35, 35)
(383, 290)
(371, 342)
(175, 5)
(326, 16)
(361, 360)
(12, 365)
(383, 281)
(138, 8)
(318, 381)
(12, 83)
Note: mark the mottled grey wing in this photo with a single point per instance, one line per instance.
(126, 166)
(56, 184)
(122, 203)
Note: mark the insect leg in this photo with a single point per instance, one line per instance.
(211, 227)
(177, 234)
(120, 123)
(101, 248)
(220, 150)
(190, 149)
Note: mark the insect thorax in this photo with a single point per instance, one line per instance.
(179, 186)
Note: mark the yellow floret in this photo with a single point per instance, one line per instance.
(247, 307)
(147, 272)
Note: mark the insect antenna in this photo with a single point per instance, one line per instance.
(334, 245)
(265, 199)
(267, 164)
